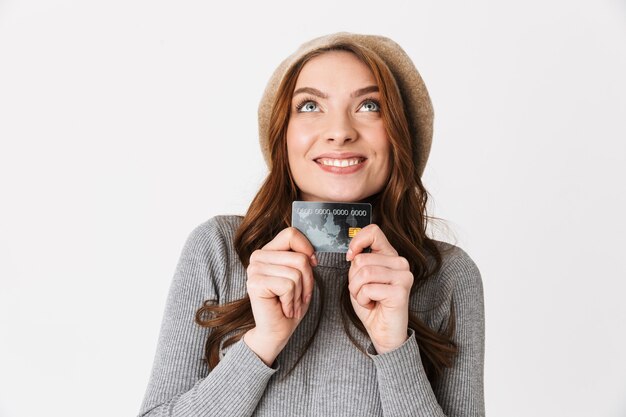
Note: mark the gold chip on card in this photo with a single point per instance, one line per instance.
(352, 231)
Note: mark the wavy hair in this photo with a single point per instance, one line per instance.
(399, 210)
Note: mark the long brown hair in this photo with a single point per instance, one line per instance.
(399, 210)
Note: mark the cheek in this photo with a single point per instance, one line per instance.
(384, 151)
(298, 141)
(298, 131)
(382, 145)
(296, 147)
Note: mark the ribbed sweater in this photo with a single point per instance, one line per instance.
(334, 378)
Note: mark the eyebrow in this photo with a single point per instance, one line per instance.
(318, 93)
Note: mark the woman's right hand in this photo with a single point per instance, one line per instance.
(280, 287)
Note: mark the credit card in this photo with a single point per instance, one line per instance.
(330, 226)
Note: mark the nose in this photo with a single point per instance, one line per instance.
(340, 128)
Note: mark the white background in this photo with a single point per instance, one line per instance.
(125, 124)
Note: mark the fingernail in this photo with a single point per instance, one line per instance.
(348, 254)
(314, 260)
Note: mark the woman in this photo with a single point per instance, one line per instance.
(257, 323)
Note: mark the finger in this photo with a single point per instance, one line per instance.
(292, 239)
(389, 295)
(282, 257)
(295, 260)
(373, 237)
(282, 271)
(392, 262)
(373, 274)
(268, 287)
(368, 306)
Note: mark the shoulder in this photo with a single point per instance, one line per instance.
(224, 225)
(211, 242)
(209, 260)
(214, 234)
(458, 280)
(457, 267)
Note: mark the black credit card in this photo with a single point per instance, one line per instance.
(330, 226)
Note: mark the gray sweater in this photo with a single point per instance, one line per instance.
(333, 378)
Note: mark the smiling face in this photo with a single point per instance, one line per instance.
(337, 145)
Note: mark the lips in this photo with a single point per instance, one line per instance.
(340, 162)
(340, 159)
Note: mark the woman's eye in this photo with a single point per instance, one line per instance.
(371, 105)
(307, 106)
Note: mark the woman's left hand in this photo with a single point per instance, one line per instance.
(380, 285)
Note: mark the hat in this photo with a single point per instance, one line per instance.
(419, 109)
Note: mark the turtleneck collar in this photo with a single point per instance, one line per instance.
(332, 259)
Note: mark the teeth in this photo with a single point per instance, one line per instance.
(340, 162)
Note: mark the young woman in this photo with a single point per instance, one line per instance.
(258, 324)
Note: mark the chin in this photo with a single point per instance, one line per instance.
(350, 197)
(335, 193)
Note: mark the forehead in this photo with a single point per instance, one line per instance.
(334, 69)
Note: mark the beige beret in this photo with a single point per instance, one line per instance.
(419, 109)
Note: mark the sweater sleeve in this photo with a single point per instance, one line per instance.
(403, 385)
(181, 383)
